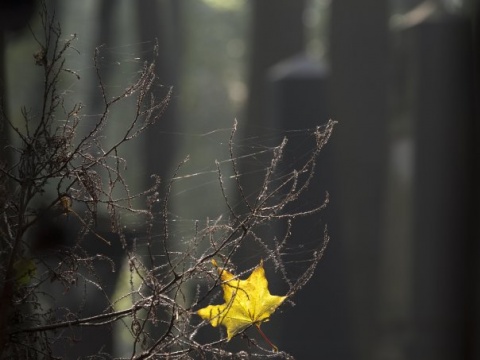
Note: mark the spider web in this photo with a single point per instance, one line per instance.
(196, 200)
(237, 198)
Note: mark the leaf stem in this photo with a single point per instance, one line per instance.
(266, 338)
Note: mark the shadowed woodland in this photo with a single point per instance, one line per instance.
(142, 140)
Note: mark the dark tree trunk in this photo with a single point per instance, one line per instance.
(359, 62)
(277, 33)
(159, 21)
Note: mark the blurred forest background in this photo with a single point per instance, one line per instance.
(401, 277)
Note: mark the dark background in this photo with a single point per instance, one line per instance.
(400, 279)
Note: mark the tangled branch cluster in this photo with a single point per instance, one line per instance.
(79, 175)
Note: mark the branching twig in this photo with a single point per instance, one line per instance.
(84, 174)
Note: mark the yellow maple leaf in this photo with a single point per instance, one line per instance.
(247, 302)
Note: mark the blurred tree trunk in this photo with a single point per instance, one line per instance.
(444, 310)
(277, 33)
(159, 21)
(359, 62)
(14, 16)
(4, 138)
(104, 37)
